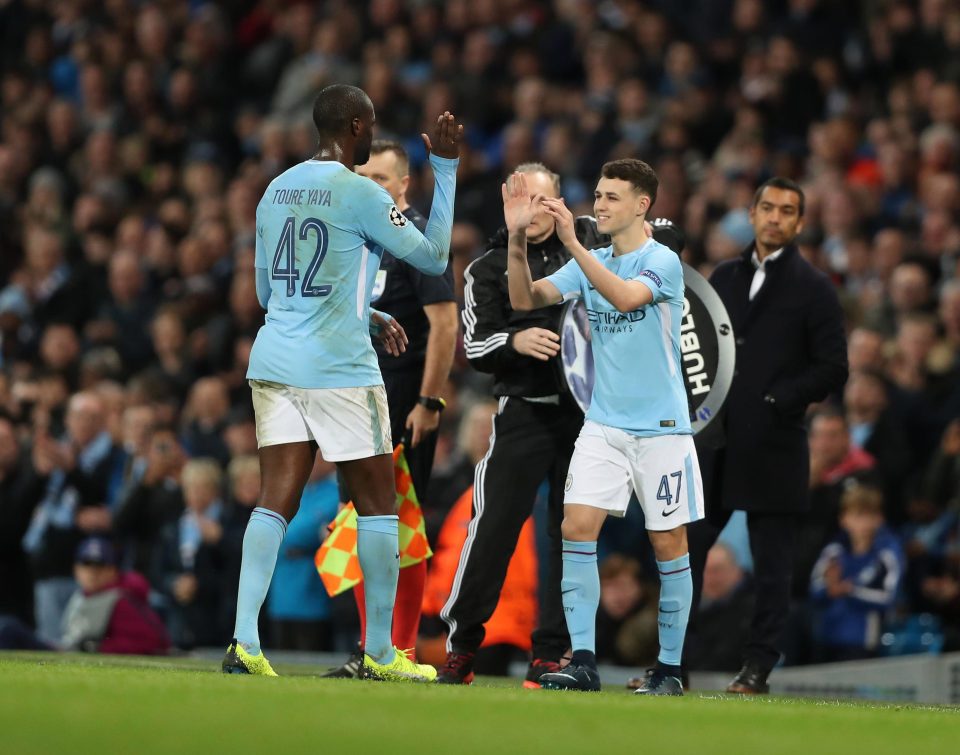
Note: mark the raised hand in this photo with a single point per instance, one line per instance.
(558, 210)
(447, 136)
(519, 208)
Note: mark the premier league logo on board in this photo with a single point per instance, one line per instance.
(706, 350)
(397, 217)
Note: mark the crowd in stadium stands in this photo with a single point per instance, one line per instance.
(137, 138)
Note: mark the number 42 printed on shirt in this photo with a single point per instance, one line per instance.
(285, 258)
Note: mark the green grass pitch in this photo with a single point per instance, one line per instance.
(55, 704)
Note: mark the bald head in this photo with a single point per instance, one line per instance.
(336, 106)
(344, 118)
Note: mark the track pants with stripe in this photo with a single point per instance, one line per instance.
(530, 443)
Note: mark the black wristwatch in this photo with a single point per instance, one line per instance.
(433, 403)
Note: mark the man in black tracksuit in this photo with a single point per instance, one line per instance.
(534, 432)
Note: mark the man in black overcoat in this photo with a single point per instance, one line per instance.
(791, 351)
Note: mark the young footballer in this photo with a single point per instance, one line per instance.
(636, 437)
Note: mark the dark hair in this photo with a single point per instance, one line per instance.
(380, 146)
(637, 172)
(336, 106)
(786, 184)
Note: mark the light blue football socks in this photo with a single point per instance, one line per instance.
(580, 591)
(379, 552)
(261, 543)
(676, 594)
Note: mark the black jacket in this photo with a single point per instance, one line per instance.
(20, 492)
(489, 322)
(791, 351)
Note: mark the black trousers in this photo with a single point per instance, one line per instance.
(772, 543)
(403, 391)
(530, 442)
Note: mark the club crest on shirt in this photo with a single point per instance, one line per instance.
(569, 483)
(397, 217)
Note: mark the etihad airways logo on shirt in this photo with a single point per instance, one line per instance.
(613, 321)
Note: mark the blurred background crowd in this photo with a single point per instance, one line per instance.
(137, 137)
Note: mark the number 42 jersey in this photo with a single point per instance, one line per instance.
(321, 231)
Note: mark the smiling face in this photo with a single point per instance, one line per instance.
(617, 205)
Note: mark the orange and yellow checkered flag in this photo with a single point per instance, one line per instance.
(337, 561)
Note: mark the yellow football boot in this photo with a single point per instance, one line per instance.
(239, 661)
(400, 669)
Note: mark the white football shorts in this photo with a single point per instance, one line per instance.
(609, 464)
(347, 423)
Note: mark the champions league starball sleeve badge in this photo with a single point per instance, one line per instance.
(707, 350)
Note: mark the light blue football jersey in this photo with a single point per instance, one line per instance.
(321, 231)
(639, 384)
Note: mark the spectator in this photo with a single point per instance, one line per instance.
(20, 491)
(627, 617)
(77, 472)
(204, 419)
(875, 428)
(855, 581)
(109, 612)
(153, 500)
(191, 559)
(836, 464)
(124, 318)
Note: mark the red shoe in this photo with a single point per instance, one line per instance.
(537, 668)
(457, 669)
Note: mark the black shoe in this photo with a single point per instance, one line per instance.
(658, 684)
(537, 668)
(349, 670)
(576, 676)
(457, 669)
(752, 680)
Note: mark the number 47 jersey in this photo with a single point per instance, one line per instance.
(321, 230)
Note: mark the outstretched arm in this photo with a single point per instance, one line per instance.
(381, 222)
(518, 211)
